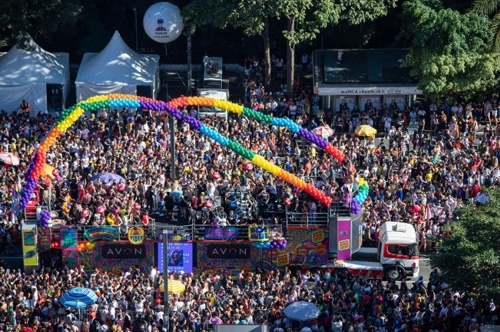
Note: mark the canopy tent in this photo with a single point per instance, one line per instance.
(29, 72)
(117, 69)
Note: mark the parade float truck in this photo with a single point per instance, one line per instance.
(220, 94)
(395, 258)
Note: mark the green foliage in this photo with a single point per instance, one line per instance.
(490, 8)
(361, 11)
(470, 256)
(304, 18)
(35, 17)
(448, 49)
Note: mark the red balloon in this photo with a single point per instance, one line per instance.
(287, 201)
(208, 204)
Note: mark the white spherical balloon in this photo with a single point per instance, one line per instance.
(163, 22)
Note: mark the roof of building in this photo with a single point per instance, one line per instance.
(361, 66)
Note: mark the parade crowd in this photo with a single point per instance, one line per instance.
(426, 161)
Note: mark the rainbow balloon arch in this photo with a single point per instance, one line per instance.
(112, 101)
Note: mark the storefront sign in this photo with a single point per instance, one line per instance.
(221, 233)
(123, 251)
(368, 90)
(135, 235)
(228, 251)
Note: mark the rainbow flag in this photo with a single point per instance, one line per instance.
(16, 195)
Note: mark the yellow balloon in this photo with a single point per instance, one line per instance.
(238, 109)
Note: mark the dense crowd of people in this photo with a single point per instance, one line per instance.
(133, 301)
(426, 162)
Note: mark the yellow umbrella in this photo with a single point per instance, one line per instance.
(365, 130)
(47, 171)
(175, 287)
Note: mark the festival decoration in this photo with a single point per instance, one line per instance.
(258, 233)
(361, 196)
(163, 22)
(69, 239)
(278, 243)
(262, 245)
(136, 235)
(106, 233)
(92, 104)
(261, 117)
(45, 218)
(221, 233)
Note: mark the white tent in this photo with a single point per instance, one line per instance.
(25, 73)
(117, 69)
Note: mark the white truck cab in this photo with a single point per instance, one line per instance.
(211, 111)
(395, 258)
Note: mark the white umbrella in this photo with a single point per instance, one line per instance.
(9, 159)
(301, 311)
(323, 131)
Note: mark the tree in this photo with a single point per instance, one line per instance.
(35, 17)
(490, 8)
(304, 19)
(447, 51)
(250, 16)
(470, 256)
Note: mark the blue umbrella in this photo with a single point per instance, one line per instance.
(301, 311)
(78, 297)
(108, 177)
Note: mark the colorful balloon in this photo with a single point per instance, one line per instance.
(70, 115)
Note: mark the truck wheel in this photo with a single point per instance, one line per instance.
(394, 273)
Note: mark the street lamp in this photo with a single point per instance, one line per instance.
(136, 32)
(166, 319)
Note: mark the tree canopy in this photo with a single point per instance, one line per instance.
(304, 19)
(35, 17)
(470, 256)
(448, 50)
(490, 8)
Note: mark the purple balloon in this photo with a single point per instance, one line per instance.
(45, 218)
(355, 207)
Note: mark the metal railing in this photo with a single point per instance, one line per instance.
(339, 209)
(306, 219)
(223, 233)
